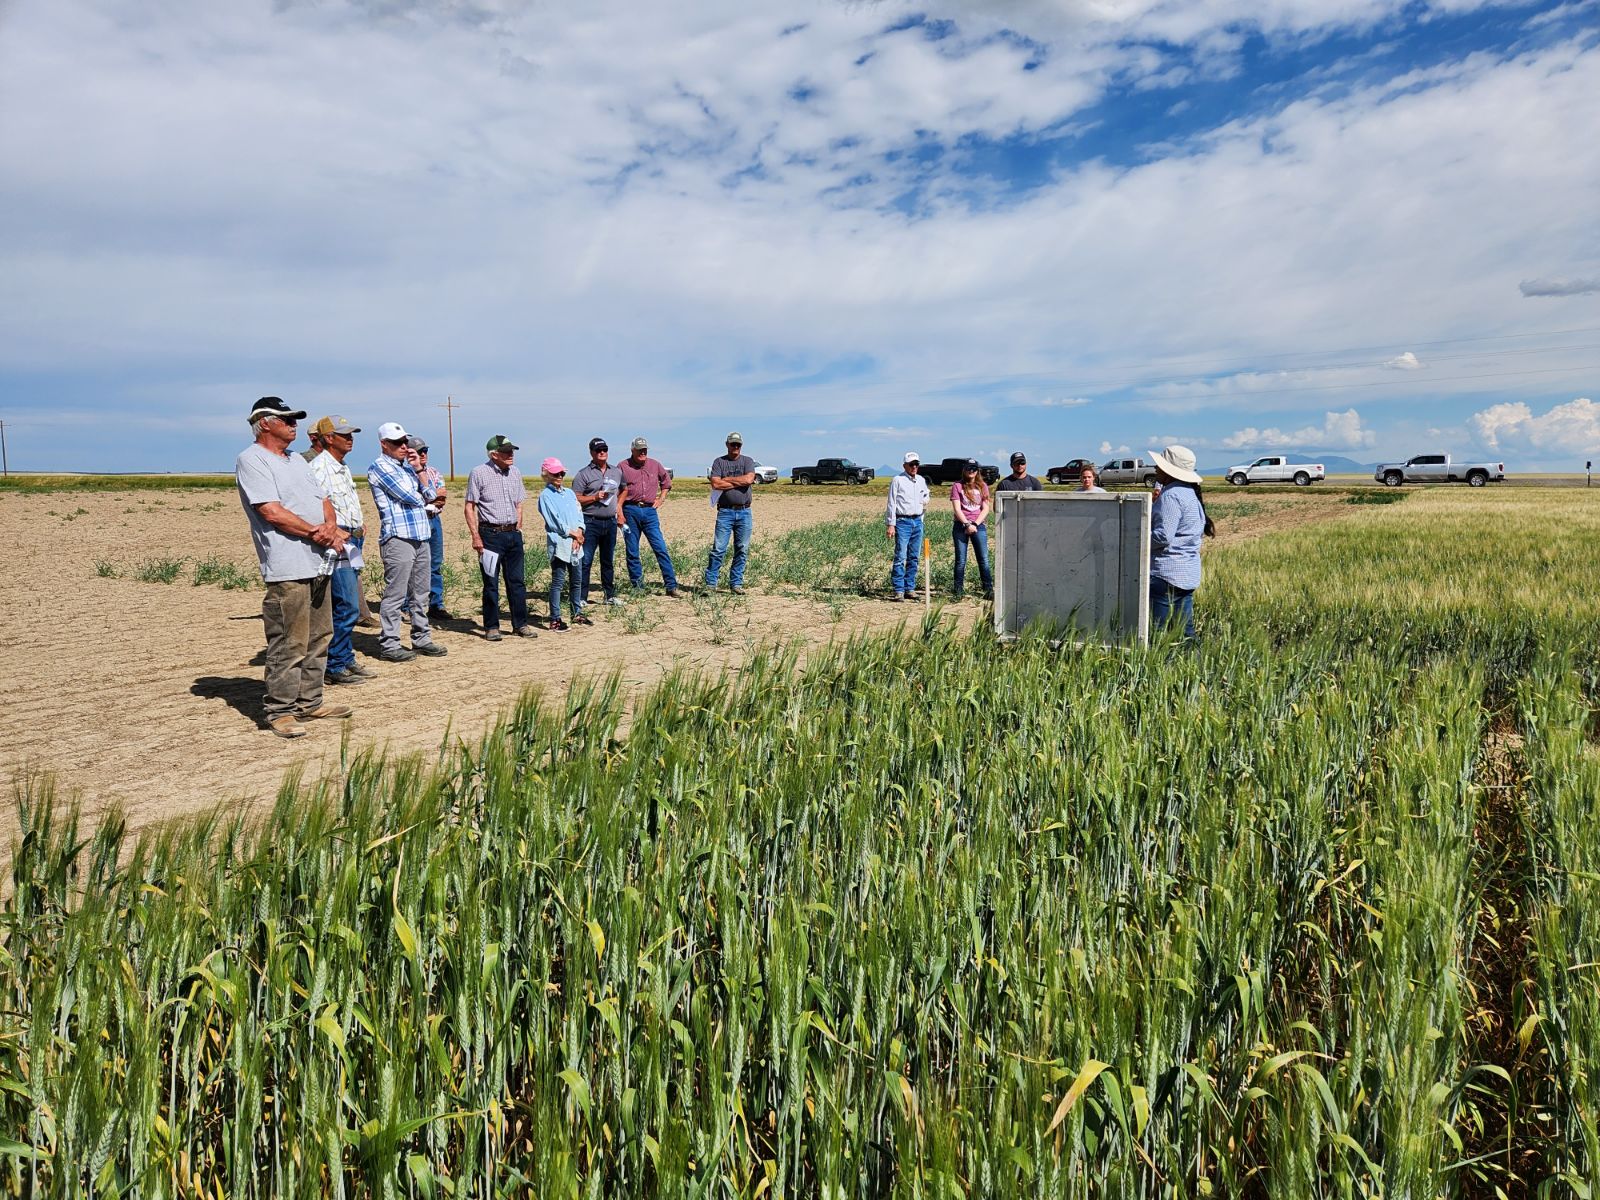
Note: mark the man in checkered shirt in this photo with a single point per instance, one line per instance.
(401, 492)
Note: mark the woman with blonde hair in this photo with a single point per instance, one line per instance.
(970, 503)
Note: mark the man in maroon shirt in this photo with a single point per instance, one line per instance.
(645, 487)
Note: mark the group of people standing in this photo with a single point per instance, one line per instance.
(1178, 522)
(310, 535)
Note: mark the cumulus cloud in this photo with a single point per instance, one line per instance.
(1559, 287)
(1404, 362)
(1108, 448)
(1338, 431)
(1571, 428)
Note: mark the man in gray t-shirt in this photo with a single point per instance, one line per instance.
(600, 491)
(732, 476)
(297, 541)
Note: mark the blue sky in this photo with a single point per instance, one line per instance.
(1354, 227)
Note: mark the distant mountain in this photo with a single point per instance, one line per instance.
(1333, 464)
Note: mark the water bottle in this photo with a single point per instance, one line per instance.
(330, 560)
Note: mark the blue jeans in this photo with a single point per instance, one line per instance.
(1169, 605)
(642, 519)
(436, 547)
(980, 551)
(346, 611)
(563, 580)
(508, 545)
(734, 523)
(907, 554)
(599, 536)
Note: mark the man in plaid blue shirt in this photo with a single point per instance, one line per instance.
(401, 492)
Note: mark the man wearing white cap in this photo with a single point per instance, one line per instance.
(1178, 522)
(338, 438)
(908, 501)
(297, 541)
(401, 493)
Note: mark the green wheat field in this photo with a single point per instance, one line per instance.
(1307, 910)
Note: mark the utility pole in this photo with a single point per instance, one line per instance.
(450, 407)
(5, 463)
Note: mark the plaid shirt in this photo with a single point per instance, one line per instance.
(402, 504)
(336, 480)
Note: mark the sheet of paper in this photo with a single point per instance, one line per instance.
(490, 560)
(353, 556)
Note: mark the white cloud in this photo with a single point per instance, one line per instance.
(616, 205)
(1056, 402)
(1559, 287)
(1571, 429)
(1338, 431)
(1404, 362)
(1108, 448)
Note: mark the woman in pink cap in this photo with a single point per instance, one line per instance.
(563, 531)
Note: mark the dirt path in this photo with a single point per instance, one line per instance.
(147, 696)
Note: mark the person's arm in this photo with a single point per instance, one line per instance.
(955, 505)
(392, 481)
(290, 525)
(888, 512)
(988, 505)
(1159, 535)
(519, 516)
(720, 483)
(622, 498)
(472, 527)
(663, 485)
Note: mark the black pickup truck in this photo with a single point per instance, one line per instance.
(832, 470)
(949, 471)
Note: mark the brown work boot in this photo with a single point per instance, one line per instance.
(326, 712)
(286, 727)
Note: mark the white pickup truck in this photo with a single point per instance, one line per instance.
(1438, 468)
(1275, 468)
(1128, 470)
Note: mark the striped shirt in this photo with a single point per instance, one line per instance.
(1177, 525)
(496, 493)
(336, 480)
(402, 503)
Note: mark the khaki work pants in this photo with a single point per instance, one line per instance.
(299, 618)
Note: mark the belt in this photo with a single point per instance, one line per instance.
(491, 528)
(354, 530)
(637, 504)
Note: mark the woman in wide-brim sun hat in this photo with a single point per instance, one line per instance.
(1178, 522)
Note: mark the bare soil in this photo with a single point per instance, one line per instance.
(146, 697)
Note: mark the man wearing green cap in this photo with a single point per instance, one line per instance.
(494, 518)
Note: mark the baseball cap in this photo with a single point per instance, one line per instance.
(330, 425)
(597, 444)
(417, 444)
(912, 457)
(735, 437)
(1018, 457)
(392, 431)
(640, 444)
(500, 442)
(970, 465)
(272, 406)
(552, 466)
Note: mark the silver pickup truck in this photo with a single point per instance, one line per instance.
(1276, 468)
(1438, 468)
(1128, 470)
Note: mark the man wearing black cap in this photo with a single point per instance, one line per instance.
(1019, 480)
(494, 519)
(601, 495)
(436, 608)
(298, 542)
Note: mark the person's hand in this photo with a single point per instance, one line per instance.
(620, 521)
(321, 535)
(577, 537)
(477, 545)
(889, 529)
(414, 461)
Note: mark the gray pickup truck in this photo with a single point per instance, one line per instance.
(1439, 468)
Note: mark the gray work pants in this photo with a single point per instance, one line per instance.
(298, 615)
(407, 565)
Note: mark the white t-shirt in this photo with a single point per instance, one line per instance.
(265, 477)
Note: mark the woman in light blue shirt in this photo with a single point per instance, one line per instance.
(563, 530)
(1178, 522)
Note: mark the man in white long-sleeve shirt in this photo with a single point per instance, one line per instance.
(908, 501)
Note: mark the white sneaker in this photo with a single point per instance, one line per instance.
(614, 601)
